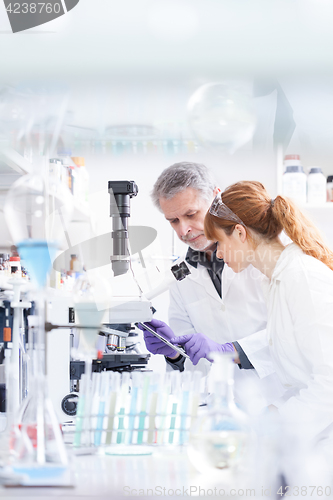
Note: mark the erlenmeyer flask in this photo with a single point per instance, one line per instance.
(38, 449)
(220, 436)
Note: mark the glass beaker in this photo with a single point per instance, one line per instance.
(220, 436)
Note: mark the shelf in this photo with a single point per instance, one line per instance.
(325, 206)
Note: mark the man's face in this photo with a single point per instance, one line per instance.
(186, 213)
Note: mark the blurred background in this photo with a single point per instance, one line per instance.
(120, 84)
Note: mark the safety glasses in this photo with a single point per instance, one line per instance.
(219, 209)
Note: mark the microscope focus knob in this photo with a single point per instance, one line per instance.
(69, 404)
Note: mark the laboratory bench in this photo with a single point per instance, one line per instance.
(166, 472)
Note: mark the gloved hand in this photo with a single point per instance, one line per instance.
(198, 345)
(155, 345)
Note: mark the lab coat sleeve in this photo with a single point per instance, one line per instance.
(179, 319)
(310, 302)
(256, 349)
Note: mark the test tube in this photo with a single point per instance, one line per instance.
(122, 409)
(96, 384)
(136, 378)
(174, 406)
(162, 408)
(114, 385)
(143, 411)
(154, 392)
(185, 401)
(80, 411)
(104, 379)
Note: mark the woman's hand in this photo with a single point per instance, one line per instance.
(198, 345)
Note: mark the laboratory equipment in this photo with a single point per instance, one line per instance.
(82, 179)
(294, 181)
(221, 116)
(126, 310)
(220, 437)
(122, 350)
(37, 211)
(125, 412)
(316, 186)
(120, 194)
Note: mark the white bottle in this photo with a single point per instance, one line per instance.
(329, 187)
(294, 183)
(82, 179)
(316, 186)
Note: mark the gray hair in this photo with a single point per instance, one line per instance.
(180, 176)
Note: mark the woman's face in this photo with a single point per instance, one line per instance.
(235, 249)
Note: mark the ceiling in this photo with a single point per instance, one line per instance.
(173, 39)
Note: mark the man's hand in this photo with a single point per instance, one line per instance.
(155, 345)
(198, 345)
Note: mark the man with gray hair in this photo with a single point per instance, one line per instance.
(213, 303)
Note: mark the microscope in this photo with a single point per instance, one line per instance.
(122, 346)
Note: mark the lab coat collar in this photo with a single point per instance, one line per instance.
(200, 275)
(290, 252)
(194, 257)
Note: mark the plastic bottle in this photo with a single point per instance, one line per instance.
(316, 186)
(14, 262)
(329, 187)
(74, 264)
(68, 168)
(294, 182)
(15, 265)
(82, 179)
(55, 169)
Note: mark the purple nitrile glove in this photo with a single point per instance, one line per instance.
(198, 345)
(155, 345)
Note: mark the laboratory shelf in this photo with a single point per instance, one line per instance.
(311, 206)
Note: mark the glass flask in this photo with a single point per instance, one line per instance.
(221, 116)
(37, 448)
(220, 437)
(37, 211)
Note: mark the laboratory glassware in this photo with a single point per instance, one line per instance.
(220, 437)
(37, 210)
(221, 116)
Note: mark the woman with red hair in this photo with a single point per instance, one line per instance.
(246, 223)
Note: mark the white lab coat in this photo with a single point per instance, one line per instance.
(299, 337)
(196, 307)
